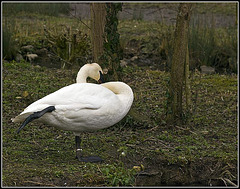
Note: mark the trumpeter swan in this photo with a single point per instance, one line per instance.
(81, 106)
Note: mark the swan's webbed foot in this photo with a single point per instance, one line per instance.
(91, 159)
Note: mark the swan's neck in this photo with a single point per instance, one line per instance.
(82, 76)
(123, 91)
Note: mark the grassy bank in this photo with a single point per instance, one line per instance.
(141, 150)
(203, 151)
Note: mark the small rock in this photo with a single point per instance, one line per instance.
(123, 154)
(37, 66)
(123, 63)
(134, 58)
(31, 57)
(42, 52)
(207, 70)
(27, 48)
(105, 71)
(19, 58)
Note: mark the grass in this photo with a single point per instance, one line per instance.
(142, 149)
(172, 154)
(53, 9)
(209, 45)
(222, 8)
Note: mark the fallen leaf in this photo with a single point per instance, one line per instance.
(25, 94)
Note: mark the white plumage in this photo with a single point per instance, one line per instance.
(84, 106)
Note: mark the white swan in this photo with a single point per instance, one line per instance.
(81, 106)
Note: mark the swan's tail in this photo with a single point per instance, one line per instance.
(20, 117)
(33, 116)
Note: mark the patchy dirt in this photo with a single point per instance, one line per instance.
(141, 150)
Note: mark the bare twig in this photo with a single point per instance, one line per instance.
(186, 130)
(230, 182)
(39, 183)
(150, 138)
(79, 19)
(149, 77)
(153, 128)
(99, 169)
(60, 58)
(223, 181)
(153, 173)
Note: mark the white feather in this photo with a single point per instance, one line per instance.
(83, 106)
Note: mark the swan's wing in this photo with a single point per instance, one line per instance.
(83, 108)
(71, 99)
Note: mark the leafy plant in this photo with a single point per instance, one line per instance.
(213, 46)
(137, 14)
(9, 43)
(118, 175)
(70, 46)
(52, 9)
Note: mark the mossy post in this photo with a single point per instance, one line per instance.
(113, 52)
(175, 110)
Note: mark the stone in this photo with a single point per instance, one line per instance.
(31, 57)
(207, 69)
(27, 48)
(123, 63)
(19, 57)
(134, 58)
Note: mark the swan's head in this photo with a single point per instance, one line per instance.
(90, 70)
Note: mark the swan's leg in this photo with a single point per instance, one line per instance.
(35, 115)
(79, 155)
(78, 149)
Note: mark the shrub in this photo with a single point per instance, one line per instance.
(9, 43)
(211, 46)
(71, 47)
(51, 9)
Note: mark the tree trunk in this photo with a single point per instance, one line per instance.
(98, 20)
(178, 62)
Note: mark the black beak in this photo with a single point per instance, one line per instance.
(101, 80)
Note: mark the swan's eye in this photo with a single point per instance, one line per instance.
(101, 80)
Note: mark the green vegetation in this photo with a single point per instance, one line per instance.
(216, 47)
(44, 156)
(208, 44)
(51, 9)
(9, 43)
(113, 52)
(220, 8)
(72, 47)
(141, 150)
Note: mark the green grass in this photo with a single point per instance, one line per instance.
(211, 46)
(219, 8)
(199, 152)
(53, 9)
(44, 156)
